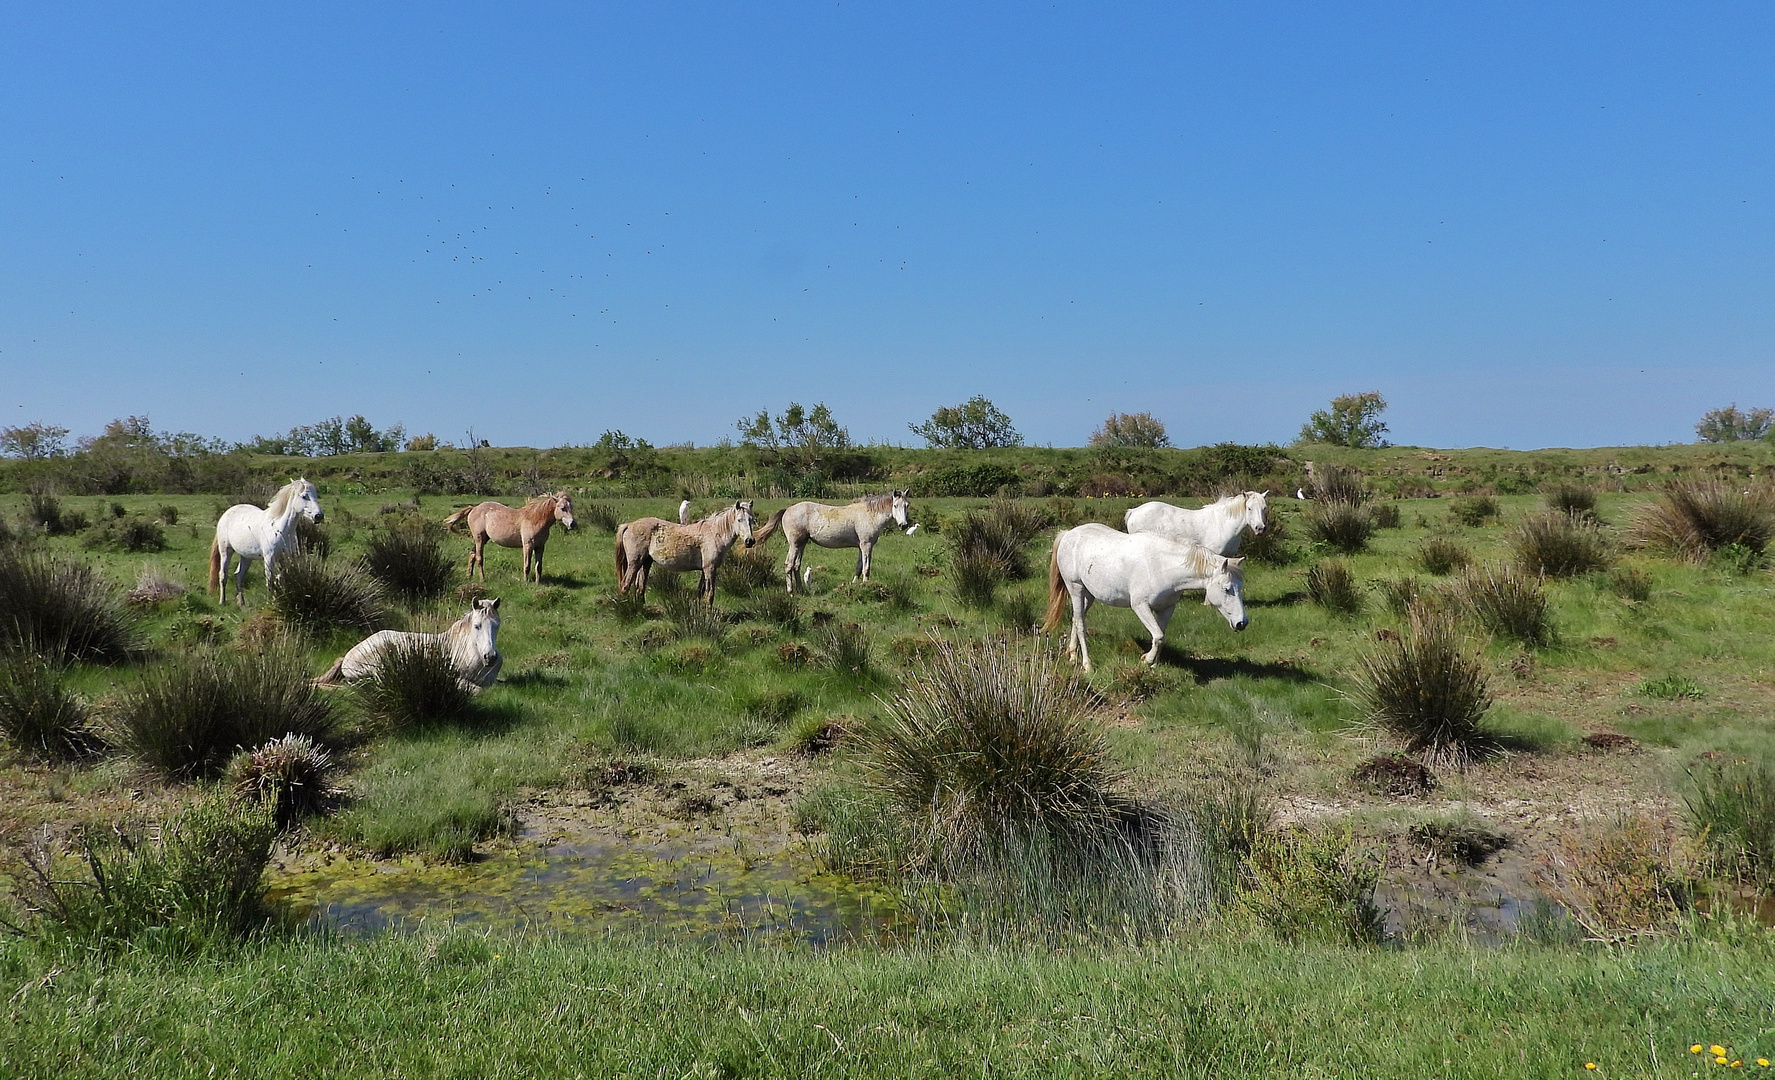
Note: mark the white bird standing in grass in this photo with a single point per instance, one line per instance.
(912, 529)
(684, 512)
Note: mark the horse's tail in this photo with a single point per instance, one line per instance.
(457, 518)
(1057, 595)
(216, 561)
(333, 675)
(768, 529)
(622, 558)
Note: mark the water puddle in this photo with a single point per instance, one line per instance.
(693, 884)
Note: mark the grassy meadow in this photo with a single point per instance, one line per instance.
(1646, 672)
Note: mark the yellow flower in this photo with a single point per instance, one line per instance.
(1720, 1059)
(1590, 1064)
(1717, 1050)
(1763, 1062)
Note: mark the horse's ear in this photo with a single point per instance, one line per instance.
(492, 603)
(1235, 562)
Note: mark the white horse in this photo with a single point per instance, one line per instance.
(1219, 526)
(472, 641)
(251, 533)
(1142, 571)
(857, 524)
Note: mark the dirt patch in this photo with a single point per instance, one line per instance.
(1395, 775)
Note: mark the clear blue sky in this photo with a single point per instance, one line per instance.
(1531, 224)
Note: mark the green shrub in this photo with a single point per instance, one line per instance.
(1568, 498)
(131, 534)
(1269, 547)
(1672, 687)
(1738, 559)
(1731, 805)
(1333, 587)
(311, 594)
(39, 715)
(1314, 884)
(1691, 520)
(291, 776)
(189, 715)
(968, 481)
(1427, 689)
(1386, 515)
(1631, 583)
(1508, 604)
(600, 515)
(62, 610)
(406, 555)
(1342, 526)
(1560, 545)
(1473, 510)
(199, 886)
(167, 514)
(45, 512)
(413, 683)
(1441, 556)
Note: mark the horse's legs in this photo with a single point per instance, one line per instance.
(538, 547)
(863, 550)
(477, 557)
(792, 562)
(240, 578)
(225, 551)
(1075, 642)
(1155, 624)
(528, 554)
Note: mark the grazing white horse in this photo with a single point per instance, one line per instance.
(1219, 526)
(857, 524)
(1142, 571)
(472, 641)
(250, 533)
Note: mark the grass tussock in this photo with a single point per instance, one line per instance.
(39, 714)
(63, 610)
(1337, 483)
(1386, 515)
(1731, 807)
(1560, 545)
(1568, 498)
(415, 683)
(45, 512)
(1270, 547)
(1473, 510)
(844, 647)
(1398, 595)
(990, 547)
(599, 515)
(1428, 689)
(1339, 525)
(1631, 583)
(1508, 604)
(293, 777)
(747, 569)
(191, 714)
(127, 534)
(1693, 520)
(197, 887)
(312, 594)
(407, 556)
(1331, 585)
(1441, 556)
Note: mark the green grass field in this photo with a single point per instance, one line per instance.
(1688, 673)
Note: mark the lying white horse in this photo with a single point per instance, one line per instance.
(472, 641)
(250, 533)
(1143, 571)
(1219, 526)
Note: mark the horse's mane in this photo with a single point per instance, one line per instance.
(874, 502)
(281, 501)
(534, 499)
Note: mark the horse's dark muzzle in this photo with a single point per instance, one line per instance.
(748, 543)
(1239, 626)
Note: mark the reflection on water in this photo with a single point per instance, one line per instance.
(699, 886)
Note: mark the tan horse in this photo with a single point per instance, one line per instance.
(526, 527)
(642, 543)
(857, 524)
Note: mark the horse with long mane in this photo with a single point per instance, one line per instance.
(246, 532)
(526, 527)
(857, 524)
(702, 546)
(1219, 526)
(1142, 571)
(472, 642)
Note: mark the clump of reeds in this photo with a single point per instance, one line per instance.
(406, 555)
(1338, 483)
(1631, 583)
(1428, 689)
(1441, 556)
(1731, 805)
(689, 617)
(1563, 497)
(190, 714)
(989, 547)
(749, 568)
(1386, 515)
(1331, 585)
(62, 609)
(39, 715)
(45, 511)
(414, 682)
(843, 646)
(1692, 520)
(1343, 526)
(199, 885)
(1507, 603)
(292, 776)
(310, 593)
(1269, 547)
(1400, 593)
(600, 515)
(1560, 545)
(1473, 510)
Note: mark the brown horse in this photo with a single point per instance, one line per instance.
(527, 527)
(702, 546)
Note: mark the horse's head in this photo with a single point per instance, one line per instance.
(564, 510)
(1257, 510)
(902, 508)
(1226, 591)
(742, 520)
(307, 500)
(483, 629)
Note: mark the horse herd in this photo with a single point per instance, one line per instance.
(1166, 551)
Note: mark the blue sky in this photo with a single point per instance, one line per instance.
(1532, 224)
